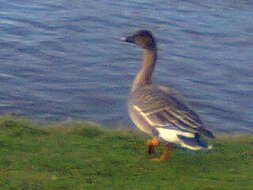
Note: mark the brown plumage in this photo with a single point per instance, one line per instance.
(158, 110)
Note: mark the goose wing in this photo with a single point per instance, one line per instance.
(161, 107)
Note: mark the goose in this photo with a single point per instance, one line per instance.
(159, 111)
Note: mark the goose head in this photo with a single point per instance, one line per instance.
(142, 38)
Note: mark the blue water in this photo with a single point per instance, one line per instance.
(61, 59)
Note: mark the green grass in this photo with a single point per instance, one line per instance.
(82, 156)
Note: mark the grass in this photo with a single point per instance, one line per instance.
(83, 156)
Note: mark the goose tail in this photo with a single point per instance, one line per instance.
(194, 143)
(207, 133)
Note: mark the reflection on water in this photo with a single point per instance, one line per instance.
(61, 59)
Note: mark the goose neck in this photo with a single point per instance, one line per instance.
(143, 76)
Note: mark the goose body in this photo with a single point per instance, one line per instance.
(158, 110)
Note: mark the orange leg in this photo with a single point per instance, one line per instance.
(164, 154)
(151, 143)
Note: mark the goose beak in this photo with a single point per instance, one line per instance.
(123, 39)
(127, 39)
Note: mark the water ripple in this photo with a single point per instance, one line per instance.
(62, 59)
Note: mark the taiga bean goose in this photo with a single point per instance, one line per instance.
(158, 110)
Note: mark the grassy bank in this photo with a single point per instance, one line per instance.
(81, 156)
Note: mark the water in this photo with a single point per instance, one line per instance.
(61, 59)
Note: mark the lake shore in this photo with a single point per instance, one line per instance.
(83, 155)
